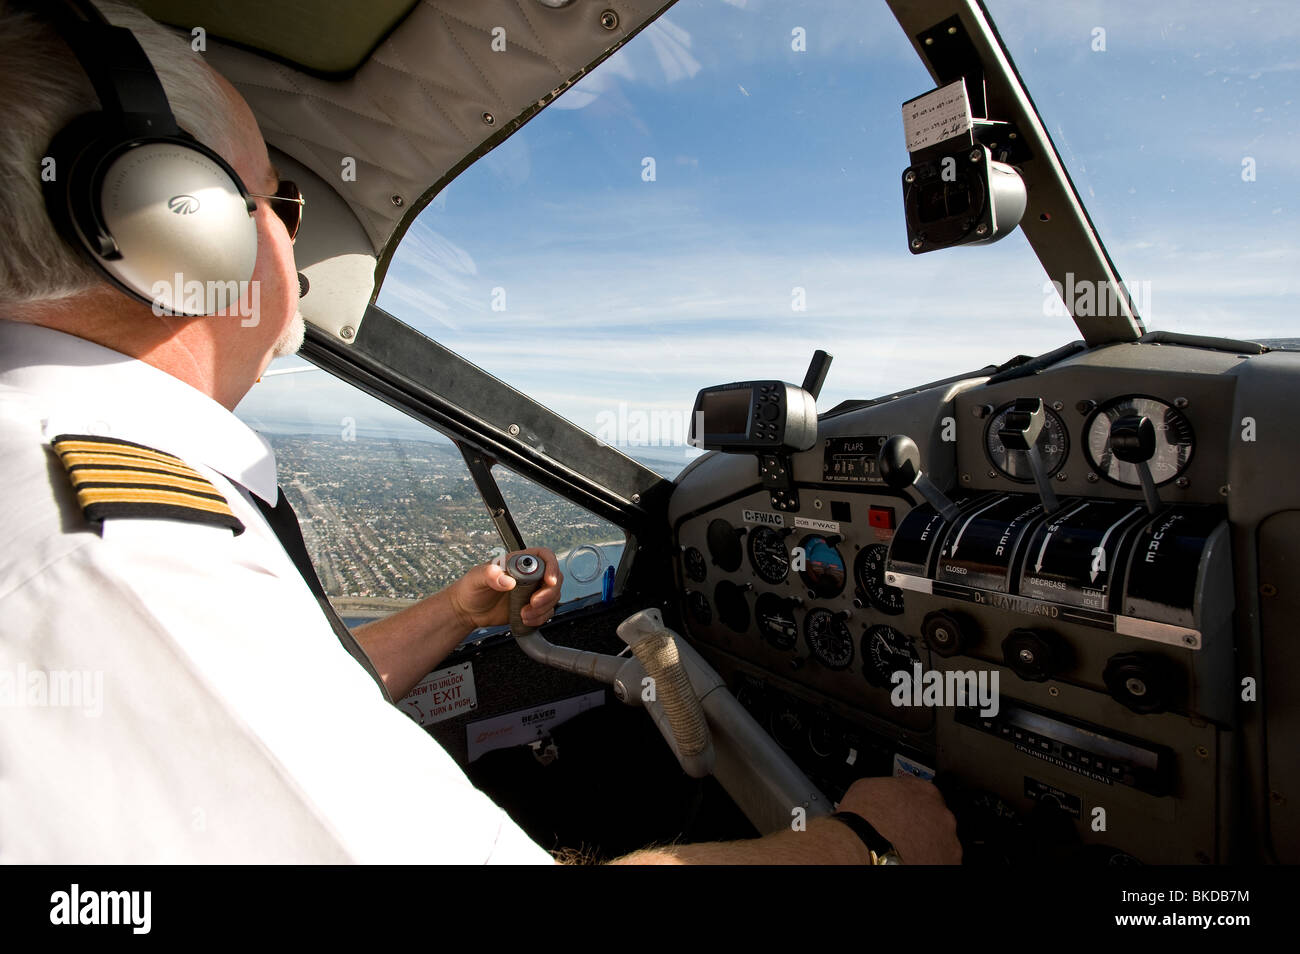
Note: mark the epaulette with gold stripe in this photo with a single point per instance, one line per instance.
(116, 478)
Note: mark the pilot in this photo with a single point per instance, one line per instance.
(177, 687)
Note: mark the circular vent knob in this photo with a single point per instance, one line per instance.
(1142, 681)
(1034, 655)
(947, 633)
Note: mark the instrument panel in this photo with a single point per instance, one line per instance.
(808, 598)
(1104, 626)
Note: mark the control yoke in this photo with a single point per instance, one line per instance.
(655, 674)
(707, 729)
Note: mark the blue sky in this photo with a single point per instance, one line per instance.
(777, 169)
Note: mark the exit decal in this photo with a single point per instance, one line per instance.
(441, 695)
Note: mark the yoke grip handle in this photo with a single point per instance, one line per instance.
(526, 570)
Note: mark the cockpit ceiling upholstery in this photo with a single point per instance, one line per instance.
(322, 36)
(415, 109)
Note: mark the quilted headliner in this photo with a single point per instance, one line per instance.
(414, 112)
(325, 36)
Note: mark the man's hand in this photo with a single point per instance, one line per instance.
(911, 814)
(482, 596)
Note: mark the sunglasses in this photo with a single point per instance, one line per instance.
(289, 209)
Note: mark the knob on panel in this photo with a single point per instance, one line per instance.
(948, 633)
(1144, 682)
(899, 462)
(1035, 655)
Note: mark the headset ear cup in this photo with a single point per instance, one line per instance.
(180, 219)
(167, 221)
(66, 182)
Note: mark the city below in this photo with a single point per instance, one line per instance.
(388, 521)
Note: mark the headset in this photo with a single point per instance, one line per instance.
(151, 207)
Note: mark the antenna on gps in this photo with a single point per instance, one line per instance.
(817, 370)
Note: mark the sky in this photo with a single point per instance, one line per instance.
(560, 265)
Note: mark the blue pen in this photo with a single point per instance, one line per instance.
(607, 585)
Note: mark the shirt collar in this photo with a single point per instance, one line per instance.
(85, 388)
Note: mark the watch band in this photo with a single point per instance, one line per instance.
(882, 852)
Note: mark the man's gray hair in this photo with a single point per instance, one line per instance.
(42, 87)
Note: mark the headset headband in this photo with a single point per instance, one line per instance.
(130, 92)
(154, 209)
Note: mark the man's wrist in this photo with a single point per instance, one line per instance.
(464, 625)
(879, 847)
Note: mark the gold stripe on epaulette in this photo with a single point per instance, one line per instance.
(94, 495)
(115, 478)
(105, 445)
(93, 475)
(82, 458)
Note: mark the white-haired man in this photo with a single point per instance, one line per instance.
(179, 688)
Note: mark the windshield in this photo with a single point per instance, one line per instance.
(1178, 124)
(714, 202)
(722, 196)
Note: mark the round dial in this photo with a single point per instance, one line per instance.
(724, 545)
(1053, 446)
(788, 728)
(693, 560)
(1174, 440)
(775, 617)
(823, 571)
(700, 609)
(733, 609)
(870, 574)
(886, 651)
(751, 696)
(825, 738)
(768, 555)
(829, 639)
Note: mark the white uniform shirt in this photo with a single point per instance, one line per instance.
(171, 691)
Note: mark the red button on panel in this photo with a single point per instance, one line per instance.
(882, 518)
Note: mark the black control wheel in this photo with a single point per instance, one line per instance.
(1144, 682)
(1034, 655)
(948, 633)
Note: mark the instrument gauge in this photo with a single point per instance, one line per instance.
(869, 571)
(823, 571)
(788, 728)
(693, 561)
(724, 545)
(829, 639)
(733, 609)
(1175, 441)
(1053, 446)
(885, 651)
(700, 609)
(768, 555)
(775, 618)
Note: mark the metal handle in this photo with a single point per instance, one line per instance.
(526, 570)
